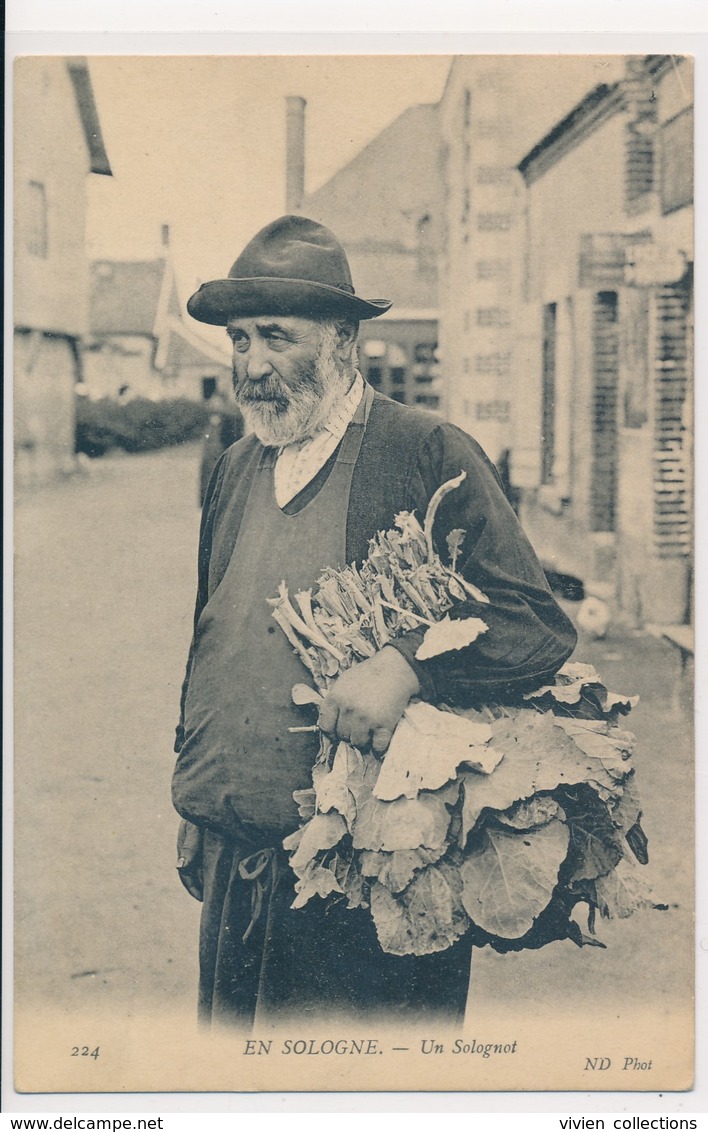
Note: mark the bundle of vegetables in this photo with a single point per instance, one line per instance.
(497, 820)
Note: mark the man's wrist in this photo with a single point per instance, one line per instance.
(408, 673)
(406, 648)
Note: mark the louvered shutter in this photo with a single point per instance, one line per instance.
(672, 471)
(604, 409)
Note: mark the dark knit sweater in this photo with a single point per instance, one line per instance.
(405, 455)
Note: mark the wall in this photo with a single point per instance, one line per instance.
(387, 359)
(583, 193)
(384, 206)
(654, 560)
(112, 363)
(640, 557)
(50, 291)
(45, 374)
(477, 277)
(512, 251)
(51, 275)
(188, 381)
(494, 109)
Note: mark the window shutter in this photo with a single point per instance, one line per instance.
(672, 486)
(604, 408)
(639, 166)
(548, 394)
(640, 101)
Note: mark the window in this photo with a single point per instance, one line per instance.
(426, 244)
(495, 221)
(424, 352)
(677, 161)
(672, 408)
(548, 396)
(36, 236)
(493, 268)
(466, 210)
(492, 316)
(639, 165)
(497, 364)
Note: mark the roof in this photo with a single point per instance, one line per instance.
(184, 348)
(385, 206)
(83, 90)
(387, 187)
(593, 109)
(124, 296)
(657, 64)
(139, 297)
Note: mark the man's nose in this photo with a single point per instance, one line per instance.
(258, 365)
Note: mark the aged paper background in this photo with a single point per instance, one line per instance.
(106, 940)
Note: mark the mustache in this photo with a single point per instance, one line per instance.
(273, 390)
(255, 392)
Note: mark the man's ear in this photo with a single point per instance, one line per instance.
(347, 334)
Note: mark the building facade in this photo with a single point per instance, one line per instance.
(566, 307)
(58, 143)
(493, 108)
(385, 207)
(602, 443)
(140, 344)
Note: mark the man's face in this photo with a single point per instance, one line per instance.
(286, 374)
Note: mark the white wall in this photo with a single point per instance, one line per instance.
(50, 293)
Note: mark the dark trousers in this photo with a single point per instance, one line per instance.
(261, 960)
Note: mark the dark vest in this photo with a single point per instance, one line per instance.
(239, 764)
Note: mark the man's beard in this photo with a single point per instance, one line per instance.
(280, 414)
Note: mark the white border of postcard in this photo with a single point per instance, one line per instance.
(375, 26)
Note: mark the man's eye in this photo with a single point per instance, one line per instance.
(239, 341)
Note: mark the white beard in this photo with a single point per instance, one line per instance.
(276, 423)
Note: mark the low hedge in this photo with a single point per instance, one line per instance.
(138, 425)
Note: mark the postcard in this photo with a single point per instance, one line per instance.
(386, 363)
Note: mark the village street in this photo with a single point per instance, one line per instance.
(105, 571)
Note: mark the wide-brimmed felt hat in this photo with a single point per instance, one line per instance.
(293, 266)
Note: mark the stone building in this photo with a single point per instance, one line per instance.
(384, 206)
(492, 110)
(565, 307)
(58, 142)
(140, 343)
(603, 434)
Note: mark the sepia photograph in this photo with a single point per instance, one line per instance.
(353, 573)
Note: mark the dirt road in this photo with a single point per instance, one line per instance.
(105, 568)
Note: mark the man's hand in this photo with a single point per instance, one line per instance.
(190, 840)
(365, 703)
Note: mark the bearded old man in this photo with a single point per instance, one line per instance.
(326, 464)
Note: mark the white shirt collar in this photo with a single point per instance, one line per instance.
(341, 414)
(298, 463)
(338, 418)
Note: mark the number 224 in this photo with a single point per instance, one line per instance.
(84, 1051)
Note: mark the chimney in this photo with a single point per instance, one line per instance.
(294, 152)
(165, 235)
